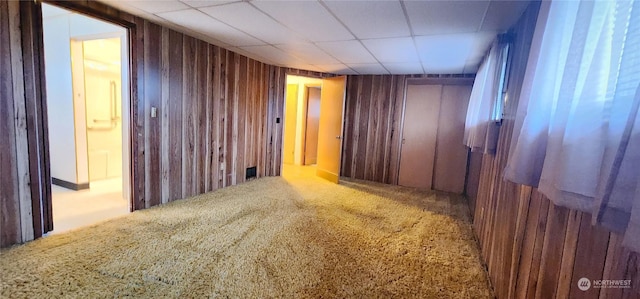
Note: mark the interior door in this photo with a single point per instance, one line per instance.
(419, 135)
(330, 128)
(313, 123)
(451, 154)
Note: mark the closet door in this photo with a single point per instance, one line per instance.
(451, 155)
(432, 155)
(419, 135)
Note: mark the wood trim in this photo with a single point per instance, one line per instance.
(69, 185)
(331, 177)
(441, 81)
(97, 10)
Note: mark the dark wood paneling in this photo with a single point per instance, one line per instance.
(25, 191)
(532, 248)
(10, 210)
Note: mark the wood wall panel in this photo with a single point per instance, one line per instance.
(370, 124)
(26, 210)
(10, 232)
(532, 248)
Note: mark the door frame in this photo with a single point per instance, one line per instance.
(287, 73)
(463, 80)
(135, 111)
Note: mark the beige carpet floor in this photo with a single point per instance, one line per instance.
(295, 236)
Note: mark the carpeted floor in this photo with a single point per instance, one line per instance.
(296, 236)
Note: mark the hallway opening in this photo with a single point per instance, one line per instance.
(87, 87)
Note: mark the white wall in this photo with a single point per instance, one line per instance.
(302, 97)
(62, 144)
(65, 150)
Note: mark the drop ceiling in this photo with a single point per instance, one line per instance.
(343, 37)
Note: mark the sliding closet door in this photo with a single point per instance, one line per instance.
(451, 155)
(419, 134)
(432, 155)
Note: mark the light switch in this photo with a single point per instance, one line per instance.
(154, 112)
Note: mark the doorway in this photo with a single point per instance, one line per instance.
(313, 124)
(87, 86)
(432, 155)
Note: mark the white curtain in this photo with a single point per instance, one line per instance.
(482, 103)
(577, 132)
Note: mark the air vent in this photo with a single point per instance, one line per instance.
(250, 173)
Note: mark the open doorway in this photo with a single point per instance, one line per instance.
(301, 121)
(313, 124)
(87, 86)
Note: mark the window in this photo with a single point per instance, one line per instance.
(487, 100)
(579, 142)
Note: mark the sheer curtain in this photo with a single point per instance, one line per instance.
(577, 133)
(479, 132)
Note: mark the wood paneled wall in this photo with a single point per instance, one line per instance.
(373, 118)
(216, 116)
(532, 248)
(212, 108)
(24, 213)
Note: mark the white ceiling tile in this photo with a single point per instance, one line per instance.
(154, 18)
(205, 3)
(308, 52)
(441, 17)
(274, 54)
(439, 67)
(404, 67)
(200, 22)
(371, 19)
(368, 68)
(311, 34)
(503, 14)
(451, 52)
(306, 67)
(400, 49)
(248, 19)
(346, 72)
(336, 68)
(305, 18)
(124, 6)
(348, 51)
(157, 6)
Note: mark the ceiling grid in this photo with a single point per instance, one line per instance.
(343, 36)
